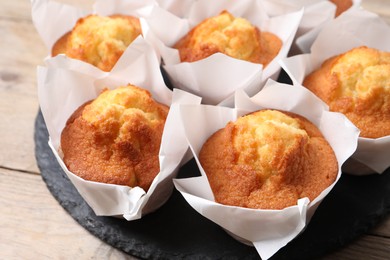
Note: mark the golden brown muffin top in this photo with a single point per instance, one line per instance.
(123, 105)
(357, 83)
(233, 36)
(341, 6)
(99, 40)
(116, 138)
(257, 143)
(268, 160)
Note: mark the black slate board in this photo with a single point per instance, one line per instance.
(176, 231)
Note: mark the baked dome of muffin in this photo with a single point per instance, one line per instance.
(116, 138)
(233, 36)
(357, 84)
(268, 160)
(99, 40)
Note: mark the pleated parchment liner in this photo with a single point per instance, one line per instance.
(66, 84)
(216, 77)
(267, 230)
(351, 29)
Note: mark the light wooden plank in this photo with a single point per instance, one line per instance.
(34, 226)
(18, 93)
(16, 9)
(383, 229)
(366, 247)
(21, 9)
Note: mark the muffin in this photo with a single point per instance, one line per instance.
(356, 83)
(233, 36)
(99, 40)
(341, 5)
(268, 160)
(116, 138)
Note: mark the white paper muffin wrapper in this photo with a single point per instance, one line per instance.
(316, 14)
(53, 19)
(66, 84)
(267, 230)
(351, 29)
(216, 77)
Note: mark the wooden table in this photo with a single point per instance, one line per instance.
(32, 224)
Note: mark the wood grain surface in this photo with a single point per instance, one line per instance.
(32, 224)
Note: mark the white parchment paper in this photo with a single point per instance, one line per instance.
(267, 230)
(66, 84)
(307, 33)
(217, 77)
(53, 19)
(351, 29)
(317, 13)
